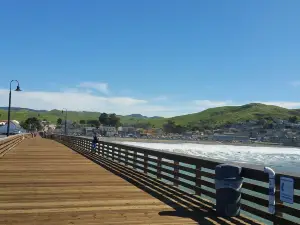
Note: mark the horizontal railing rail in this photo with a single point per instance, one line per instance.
(196, 175)
(9, 142)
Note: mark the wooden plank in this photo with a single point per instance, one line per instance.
(257, 212)
(286, 209)
(254, 174)
(176, 173)
(256, 188)
(145, 163)
(254, 199)
(206, 174)
(283, 221)
(159, 168)
(198, 179)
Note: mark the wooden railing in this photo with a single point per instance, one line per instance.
(8, 143)
(196, 175)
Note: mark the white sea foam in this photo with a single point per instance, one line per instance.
(281, 158)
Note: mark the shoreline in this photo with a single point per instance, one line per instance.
(193, 142)
(203, 142)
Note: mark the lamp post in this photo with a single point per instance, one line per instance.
(66, 117)
(9, 104)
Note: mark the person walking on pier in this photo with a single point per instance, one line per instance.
(94, 142)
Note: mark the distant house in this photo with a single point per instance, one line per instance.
(109, 131)
(126, 130)
(188, 134)
(229, 137)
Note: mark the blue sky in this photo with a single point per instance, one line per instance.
(152, 57)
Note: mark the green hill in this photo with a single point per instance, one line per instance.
(213, 117)
(231, 114)
(53, 115)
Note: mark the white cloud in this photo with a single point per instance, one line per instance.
(101, 87)
(211, 104)
(288, 105)
(295, 83)
(82, 101)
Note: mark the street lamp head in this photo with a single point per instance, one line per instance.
(18, 88)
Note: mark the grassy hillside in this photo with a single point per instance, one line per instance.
(53, 115)
(222, 115)
(214, 116)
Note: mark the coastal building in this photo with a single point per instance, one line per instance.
(229, 137)
(14, 126)
(102, 130)
(123, 131)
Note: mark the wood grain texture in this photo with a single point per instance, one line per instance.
(44, 182)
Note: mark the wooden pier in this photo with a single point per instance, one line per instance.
(46, 182)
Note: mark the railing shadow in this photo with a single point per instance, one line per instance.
(185, 205)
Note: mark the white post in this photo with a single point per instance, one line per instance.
(272, 189)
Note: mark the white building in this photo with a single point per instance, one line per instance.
(103, 130)
(13, 128)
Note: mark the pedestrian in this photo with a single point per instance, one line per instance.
(94, 143)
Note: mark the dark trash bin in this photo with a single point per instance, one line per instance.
(228, 184)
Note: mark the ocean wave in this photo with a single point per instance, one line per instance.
(283, 159)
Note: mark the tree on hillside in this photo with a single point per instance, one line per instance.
(169, 126)
(103, 119)
(172, 127)
(109, 119)
(178, 129)
(262, 122)
(59, 121)
(293, 119)
(228, 124)
(75, 124)
(82, 122)
(144, 125)
(31, 124)
(114, 121)
(93, 123)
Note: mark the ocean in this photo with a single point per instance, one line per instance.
(281, 159)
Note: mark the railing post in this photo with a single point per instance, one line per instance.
(159, 159)
(134, 159)
(198, 180)
(90, 145)
(176, 173)
(119, 154)
(98, 148)
(102, 149)
(278, 203)
(145, 162)
(113, 153)
(126, 157)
